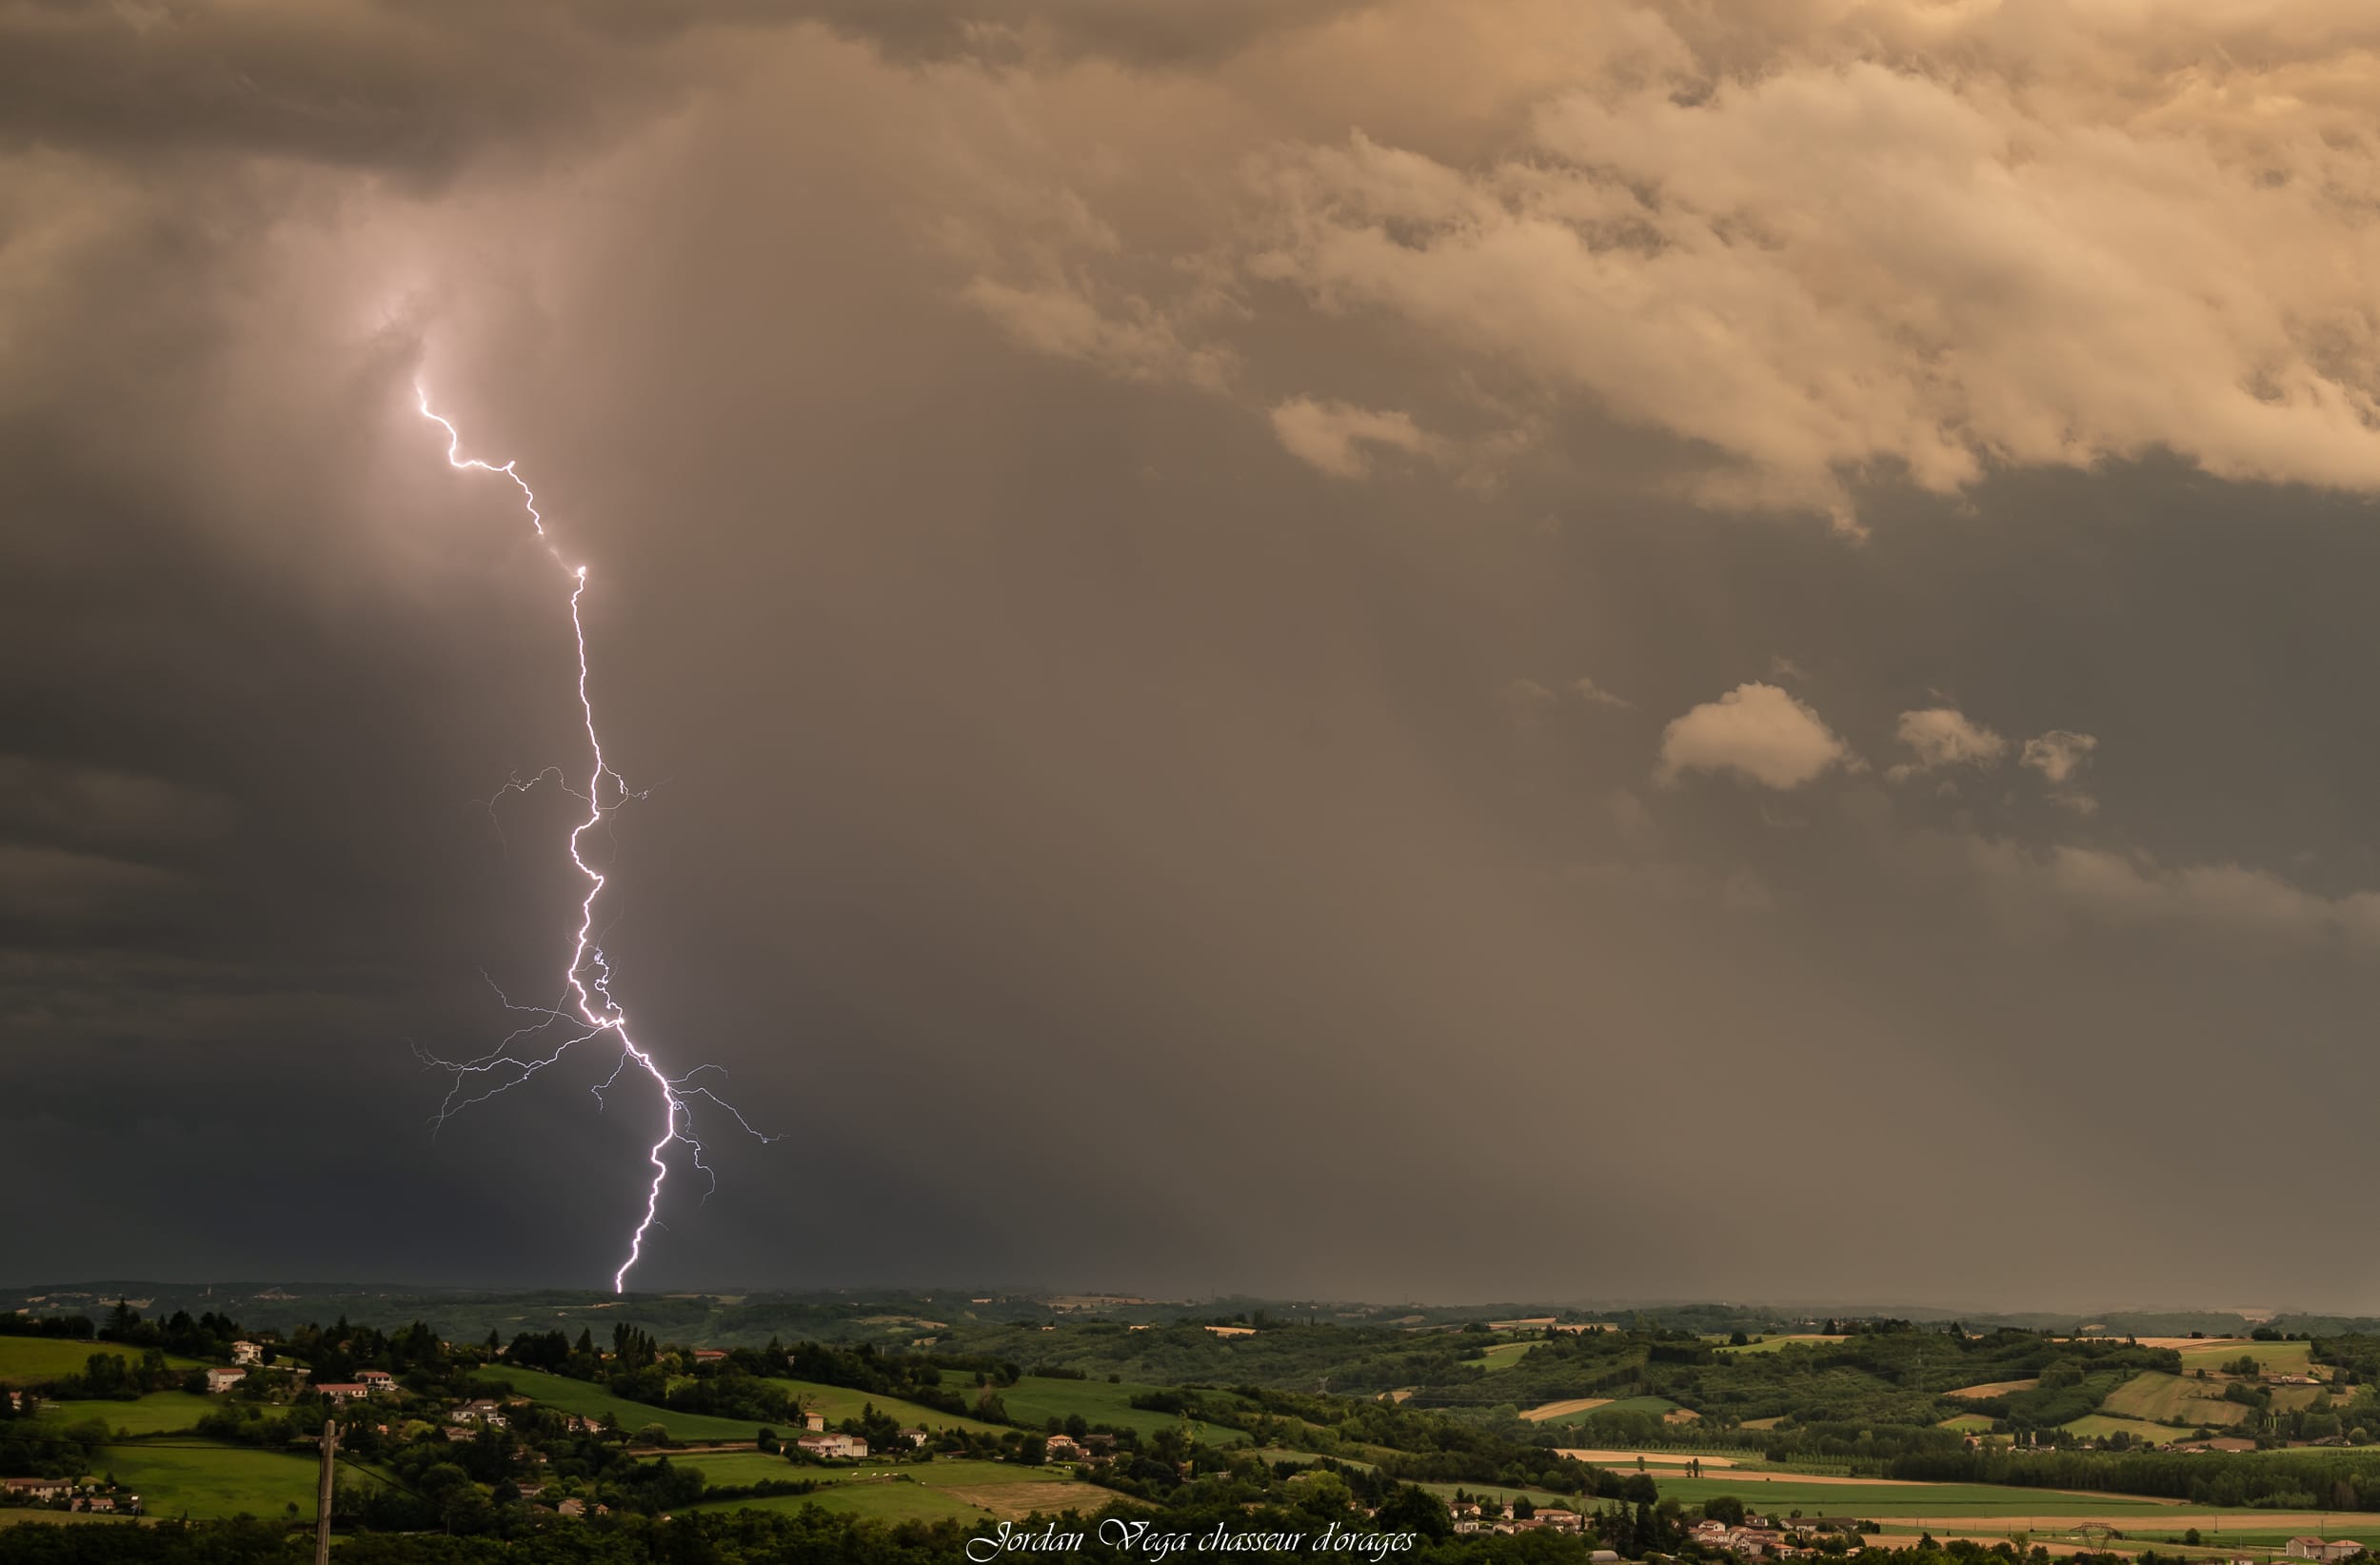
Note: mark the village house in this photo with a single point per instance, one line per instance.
(221, 1379)
(344, 1391)
(1064, 1448)
(40, 1489)
(247, 1353)
(377, 1379)
(478, 1411)
(2323, 1549)
(814, 1421)
(914, 1435)
(833, 1446)
(572, 1507)
(709, 1355)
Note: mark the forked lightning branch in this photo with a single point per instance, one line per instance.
(587, 1009)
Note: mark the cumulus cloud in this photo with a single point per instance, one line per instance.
(1942, 737)
(1333, 436)
(1824, 266)
(2062, 758)
(1756, 732)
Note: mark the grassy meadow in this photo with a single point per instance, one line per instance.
(593, 1402)
(1036, 1399)
(835, 1403)
(2162, 1398)
(159, 1413)
(29, 1360)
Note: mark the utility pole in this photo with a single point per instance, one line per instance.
(322, 1499)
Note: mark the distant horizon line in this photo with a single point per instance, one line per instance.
(105, 1288)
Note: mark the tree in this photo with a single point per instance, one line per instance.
(1414, 1509)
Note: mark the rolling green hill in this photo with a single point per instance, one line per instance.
(840, 1402)
(31, 1360)
(593, 1402)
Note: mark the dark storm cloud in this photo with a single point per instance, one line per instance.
(1175, 646)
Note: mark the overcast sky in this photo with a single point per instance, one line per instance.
(1404, 650)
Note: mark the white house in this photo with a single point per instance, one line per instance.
(40, 1489)
(377, 1379)
(832, 1446)
(247, 1353)
(220, 1378)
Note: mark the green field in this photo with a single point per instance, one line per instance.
(1900, 1500)
(1503, 1356)
(924, 1491)
(214, 1481)
(2271, 1357)
(1970, 1423)
(2100, 1425)
(835, 1403)
(2162, 1398)
(1036, 1399)
(2345, 1525)
(887, 1501)
(593, 1402)
(159, 1413)
(29, 1361)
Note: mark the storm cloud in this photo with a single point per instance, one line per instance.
(1262, 637)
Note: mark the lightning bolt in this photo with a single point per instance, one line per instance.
(587, 1008)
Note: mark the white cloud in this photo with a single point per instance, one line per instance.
(1130, 338)
(2062, 758)
(1594, 695)
(1333, 436)
(2222, 902)
(1758, 732)
(1942, 737)
(1900, 237)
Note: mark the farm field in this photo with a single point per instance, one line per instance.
(1557, 1409)
(214, 1481)
(1970, 1423)
(29, 1360)
(1886, 1497)
(1660, 1407)
(2271, 1357)
(2100, 1425)
(159, 1413)
(1993, 1388)
(1650, 1459)
(886, 1502)
(840, 1402)
(1503, 1356)
(592, 1401)
(2346, 1525)
(1770, 1345)
(1035, 1400)
(962, 1490)
(2159, 1397)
